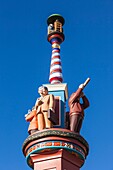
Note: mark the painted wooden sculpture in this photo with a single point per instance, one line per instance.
(38, 117)
(77, 109)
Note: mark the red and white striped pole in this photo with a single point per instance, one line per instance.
(55, 68)
(55, 37)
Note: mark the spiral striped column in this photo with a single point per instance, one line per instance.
(55, 68)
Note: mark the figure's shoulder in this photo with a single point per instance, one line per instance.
(51, 95)
(47, 96)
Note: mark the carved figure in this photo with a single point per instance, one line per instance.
(77, 109)
(43, 104)
(32, 118)
(51, 27)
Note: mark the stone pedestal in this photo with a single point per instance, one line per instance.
(55, 149)
(55, 160)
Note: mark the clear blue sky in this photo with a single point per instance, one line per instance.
(24, 65)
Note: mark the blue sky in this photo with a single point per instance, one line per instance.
(24, 65)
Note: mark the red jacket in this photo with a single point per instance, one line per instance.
(75, 105)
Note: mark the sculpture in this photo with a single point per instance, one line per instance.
(32, 118)
(38, 117)
(43, 104)
(76, 108)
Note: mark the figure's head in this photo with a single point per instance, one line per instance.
(45, 90)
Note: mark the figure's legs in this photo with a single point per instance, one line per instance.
(74, 122)
(80, 119)
(41, 122)
(48, 123)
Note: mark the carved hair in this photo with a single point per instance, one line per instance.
(43, 87)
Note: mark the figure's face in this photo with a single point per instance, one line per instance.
(45, 92)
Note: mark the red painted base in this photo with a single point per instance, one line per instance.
(55, 160)
(55, 149)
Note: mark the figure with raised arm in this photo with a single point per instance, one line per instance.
(77, 108)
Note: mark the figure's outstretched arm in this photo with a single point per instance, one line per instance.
(75, 95)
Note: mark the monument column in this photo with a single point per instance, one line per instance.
(56, 148)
